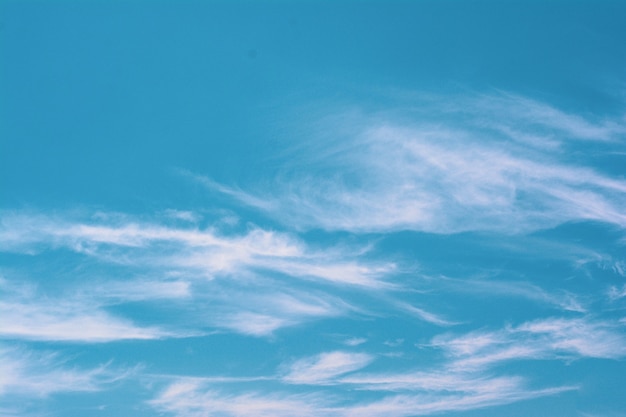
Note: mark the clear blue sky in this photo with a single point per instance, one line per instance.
(312, 208)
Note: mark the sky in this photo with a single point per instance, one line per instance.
(312, 208)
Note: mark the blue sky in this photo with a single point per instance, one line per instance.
(312, 208)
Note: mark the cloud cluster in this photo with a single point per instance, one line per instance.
(498, 163)
(186, 397)
(463, 381)
(253, 283)
(206, 252)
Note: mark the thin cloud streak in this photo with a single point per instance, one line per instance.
(139, 290)
(412, 405)
(500, 288)
(542, 119)
(425, 315)
(324, 368)
(435, 381)
(191, 398)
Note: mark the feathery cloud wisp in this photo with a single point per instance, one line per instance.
(40, 374)
(69, 320)
(448, 171)
(243, 282)
(205, 252)
(324, 368)
(540, 339)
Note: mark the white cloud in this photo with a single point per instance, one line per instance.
(464, 381)
(184, 215)
(257, 308)
(616, 293)
(446, 171)
(30, 373)
(413, 405)
(394, 343)
(324, 368)
(581, 337)
(190, 399)
(620, 268)
(254, 324)
(433, 381)
(253, 283)
(205, 252)
(31, 316)
(498, 287)
(355, 341)
(541, 339)
(187, 397)
(69, 322)
(531, 117)
(139, 289)
(263, 306)
(424, 315)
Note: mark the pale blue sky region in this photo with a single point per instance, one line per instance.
(312, 208)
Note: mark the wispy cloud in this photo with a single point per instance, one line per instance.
(499, 287)
(184, 215)
(256, 309)
(207, 252)
(465, 380)
(616, 293)
(355, 341)
(433, 381)
(261, 314)
(254, 324)
(39, 374)
(424, 315)
(411, 405)
(324, 368)
(542, 121)
(541, 339)
(191, 398)
(493, 163)
(448, 170)
(139, 290)
(253, 283)
(31, 316)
